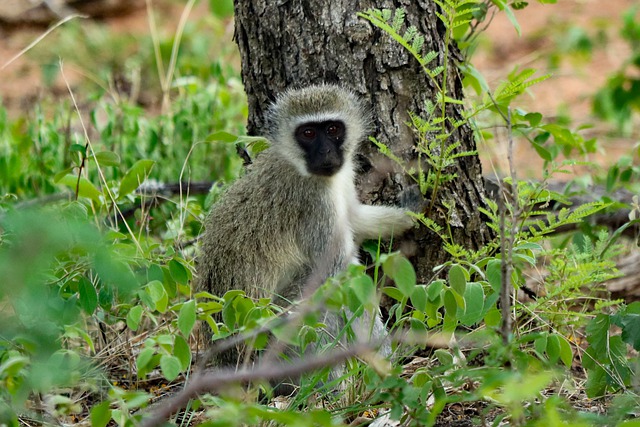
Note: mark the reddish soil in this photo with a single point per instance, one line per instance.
(571, 86)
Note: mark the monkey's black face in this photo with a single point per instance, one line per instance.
(322, 146)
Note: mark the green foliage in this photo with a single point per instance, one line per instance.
(617, 100)
(466, 291)
(605, 359)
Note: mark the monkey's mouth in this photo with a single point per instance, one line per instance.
(328, 170)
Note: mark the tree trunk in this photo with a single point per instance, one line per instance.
(297, 42)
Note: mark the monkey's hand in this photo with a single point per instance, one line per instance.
(373, 222)
(411, 199)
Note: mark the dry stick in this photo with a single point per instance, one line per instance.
(505, 291)
(506, 244)
(505, 300)
(218, 380)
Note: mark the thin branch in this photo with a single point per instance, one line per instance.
(506, 242)
(215, 381)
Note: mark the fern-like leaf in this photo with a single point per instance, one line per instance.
(398, 19)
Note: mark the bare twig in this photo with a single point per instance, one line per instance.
(507, 252)
(215, 381)
(506, 242)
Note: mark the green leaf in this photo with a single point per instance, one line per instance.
(540, 344)
(85, 188)
(88, 297)
(256, 145)
(542, 152)
(182, 351)
(493, 318)
(222, 136)
(170, 366)
(178, 272)
(596, 375)
(553, 348)
(444, 357)
(598, 335)
(434, 289)
(12, 365)
(221, 8)
(101, 414)
(107, 158)
(187, 318)
(494, 274)
(133, 317)
(612, 177)
(517, 389)
(474, 304)
(143, 360)
(401, 271)
(64, 172)
(458, 279)
(419, 298)
(450, 303)
(115, 273)
(77, 147)
(512, 19)
(534, 119)
(364, 289)
(158, 294)
(229, 315)
(474, 78)
(392, 292)
(566, 354)
(631, 330)
(134, 177)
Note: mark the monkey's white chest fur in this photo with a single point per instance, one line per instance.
(345, 199)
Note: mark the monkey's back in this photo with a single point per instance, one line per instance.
(262, 235)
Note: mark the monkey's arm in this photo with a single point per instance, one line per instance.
(372, 222)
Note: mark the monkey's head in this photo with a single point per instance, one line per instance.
(318, 128)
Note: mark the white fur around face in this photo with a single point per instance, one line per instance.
(318, 118)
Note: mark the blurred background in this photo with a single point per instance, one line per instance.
(589, 49)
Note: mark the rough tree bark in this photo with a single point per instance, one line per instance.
(297, 42)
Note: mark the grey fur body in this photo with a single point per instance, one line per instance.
(279, 226)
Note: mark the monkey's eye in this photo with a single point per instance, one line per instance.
(309, 133)
(335, 130)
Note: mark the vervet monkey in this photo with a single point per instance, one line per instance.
(295, 215)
